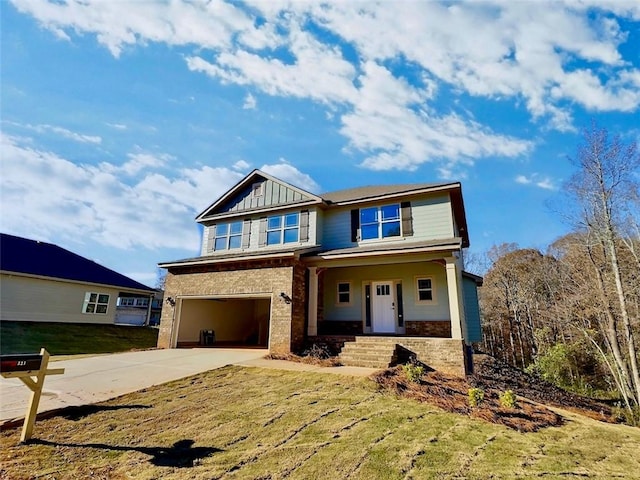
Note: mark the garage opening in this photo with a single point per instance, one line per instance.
(224, 322)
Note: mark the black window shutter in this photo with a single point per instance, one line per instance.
(407, 220)
(355, 224)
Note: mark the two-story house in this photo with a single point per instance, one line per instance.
(374, 266)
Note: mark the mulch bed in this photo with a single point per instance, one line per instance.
(308, 359)
(451, 394)
(492, 373)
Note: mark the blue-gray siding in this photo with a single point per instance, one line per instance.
(432, 220)
(471, 310)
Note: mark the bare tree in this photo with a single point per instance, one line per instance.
(603, 192)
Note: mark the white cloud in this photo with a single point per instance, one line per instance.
(292, 175)
(63, 132)
(523, 51)
(241, 165)
(534, 179)
(46, 196)
(250, 102)
(117, 126)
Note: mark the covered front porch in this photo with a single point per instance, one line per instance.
(407, 294)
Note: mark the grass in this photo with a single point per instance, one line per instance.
(73, 338)
(237, 423)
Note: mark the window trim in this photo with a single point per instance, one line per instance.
(380, 223)
(417, 290)
(95, 303)
(338, 303)
(282, 228)
(227, 236)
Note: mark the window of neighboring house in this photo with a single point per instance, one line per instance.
(283, 228)
(380, 222)
(97, 303)
(424, 289)
(228, 236)
(133, 302)
(343, 293)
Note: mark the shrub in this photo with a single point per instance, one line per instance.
(317, 350)
(508, 399)
(413, 372)
(624, 415)
(476, 396)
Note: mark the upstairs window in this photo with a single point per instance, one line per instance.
(380, 222)
(283, 228)
(228, 236)
(96, 303)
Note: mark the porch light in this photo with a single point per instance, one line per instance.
(285, 297)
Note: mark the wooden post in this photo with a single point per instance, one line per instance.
(21, 366)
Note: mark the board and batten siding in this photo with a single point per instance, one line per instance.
(432, 220)
(40, 300)
(253, 224)
(405, 273)
(273, 194)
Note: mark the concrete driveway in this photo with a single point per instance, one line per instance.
(95, 379)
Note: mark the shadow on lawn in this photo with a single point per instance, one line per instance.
(181, 454)
(81, 411)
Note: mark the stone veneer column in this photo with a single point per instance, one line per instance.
(312, 327)
(455, 305)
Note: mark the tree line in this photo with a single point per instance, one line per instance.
(572, 313)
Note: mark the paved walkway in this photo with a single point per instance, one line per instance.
(98, 378)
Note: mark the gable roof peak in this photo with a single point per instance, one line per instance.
(241, 188)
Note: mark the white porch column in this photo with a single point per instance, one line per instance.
(454, 289)
(312, 327)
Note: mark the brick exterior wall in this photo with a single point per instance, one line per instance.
(264, 278)
(444, 355)
(340, 327)
(425, 328)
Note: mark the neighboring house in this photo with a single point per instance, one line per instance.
(375, 267)
(41, 282)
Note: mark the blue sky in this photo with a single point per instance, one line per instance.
(122, 120)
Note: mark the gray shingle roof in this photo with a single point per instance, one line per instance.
(21, 255)
(372, 191)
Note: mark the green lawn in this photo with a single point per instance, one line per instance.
(250, 423)
(73, 338)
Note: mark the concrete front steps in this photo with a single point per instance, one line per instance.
(372, 352)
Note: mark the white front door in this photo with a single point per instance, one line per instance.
(383, 311)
